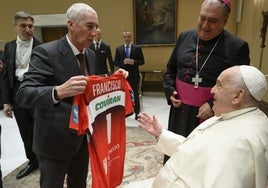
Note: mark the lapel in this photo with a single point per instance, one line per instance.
(35, 42)
(90, 61)
(132, 49)
(70, 61)
(68, 58)
(12, 53)
(123, 51)
(100, 46)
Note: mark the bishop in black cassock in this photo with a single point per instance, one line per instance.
(182, 69)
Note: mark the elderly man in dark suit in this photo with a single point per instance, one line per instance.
(16, 60)
(129, 57)
(58, 71)
(103, 53)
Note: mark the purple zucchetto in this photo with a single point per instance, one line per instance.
(227, 3)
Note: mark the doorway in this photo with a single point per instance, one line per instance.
(53, 33)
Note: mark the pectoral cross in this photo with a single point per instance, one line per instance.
(196, 80)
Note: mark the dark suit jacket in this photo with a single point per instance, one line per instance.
(229, 52)
(136, 54)
(1, 82)
(9, 70)
(102, 54)
(52, 64)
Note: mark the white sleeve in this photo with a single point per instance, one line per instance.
(168, 142)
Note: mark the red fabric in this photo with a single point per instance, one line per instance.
(110, 100)
(79, 115)
(107, 157)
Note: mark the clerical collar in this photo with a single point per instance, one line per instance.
(213, 40)
(236, 113)
(225, 116)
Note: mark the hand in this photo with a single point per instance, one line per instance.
(173, 98)
(151, 125)
(128, 61)
(205, 112)
(8, 110)
(74, 86)
(122, 71)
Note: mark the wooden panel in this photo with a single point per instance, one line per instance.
(53, 33)
(152, 81)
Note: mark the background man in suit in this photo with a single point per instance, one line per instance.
(56, 74)
(1, 78)
(1, 67)
(103, 52)
(129, 57)
(17, 55)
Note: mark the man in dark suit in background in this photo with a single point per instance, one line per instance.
(103, 52)
(56, 74)
(1, 77)
(17, 54)
(1, 67)
(129, 57)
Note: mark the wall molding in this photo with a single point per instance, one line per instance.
(49, 20)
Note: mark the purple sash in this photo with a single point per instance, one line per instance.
(192, 96)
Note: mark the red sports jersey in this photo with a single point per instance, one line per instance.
(109, 100)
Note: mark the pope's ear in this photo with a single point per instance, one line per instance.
(239, 96)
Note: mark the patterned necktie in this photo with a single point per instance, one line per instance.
(81, 59)
(97, 46)
(127, 51)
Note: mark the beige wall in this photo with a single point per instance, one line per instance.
(117, 15)
(250, 29)
(114, 17)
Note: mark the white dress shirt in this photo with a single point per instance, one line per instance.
(23, 56)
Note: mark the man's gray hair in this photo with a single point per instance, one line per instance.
(226, 10)
(22, 14)
(76, 11)
(127, 31)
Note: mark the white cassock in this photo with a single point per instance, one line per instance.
(227, 151)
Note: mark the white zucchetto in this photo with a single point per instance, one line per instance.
(254, 80)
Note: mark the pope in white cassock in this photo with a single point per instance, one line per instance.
(229, 150)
